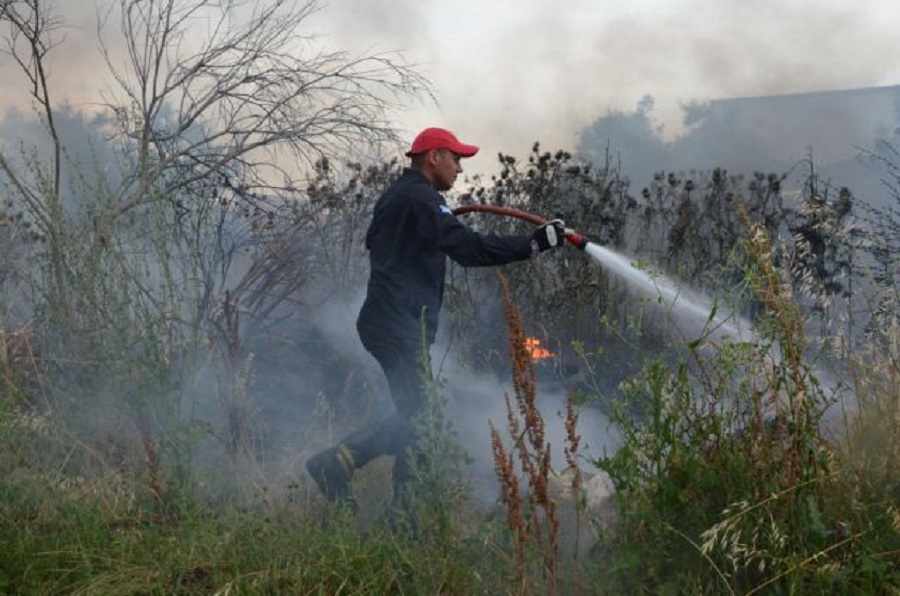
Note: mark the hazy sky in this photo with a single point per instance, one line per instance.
(509, 72)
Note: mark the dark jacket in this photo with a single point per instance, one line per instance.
(411, 234)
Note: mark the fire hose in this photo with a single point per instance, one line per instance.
(574, 238)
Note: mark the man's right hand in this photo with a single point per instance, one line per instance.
(550, 235)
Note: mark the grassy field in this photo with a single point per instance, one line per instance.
(728, 481)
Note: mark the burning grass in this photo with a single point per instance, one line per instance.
(535, 350)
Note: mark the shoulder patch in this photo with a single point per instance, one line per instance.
(445, 209)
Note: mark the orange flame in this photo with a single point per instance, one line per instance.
(534, 349)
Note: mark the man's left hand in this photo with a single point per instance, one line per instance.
(550, 235)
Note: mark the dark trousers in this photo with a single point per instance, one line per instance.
(407, 366)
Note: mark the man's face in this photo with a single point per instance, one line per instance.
(446, 168)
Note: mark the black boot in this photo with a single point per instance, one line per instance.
(332, 470)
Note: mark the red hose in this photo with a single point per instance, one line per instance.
(574, 238)
(508, 211)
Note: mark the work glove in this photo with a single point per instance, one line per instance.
(551, 234)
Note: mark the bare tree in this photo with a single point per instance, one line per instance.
(207, 97)
(205, 92)
(213, 107)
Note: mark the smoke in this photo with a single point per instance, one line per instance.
(509, 73)
(832, 134)
(294, 431)
(314, 383)
(75, 66)
(506, 74)
(475, 403)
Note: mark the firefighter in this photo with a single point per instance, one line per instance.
(411, 234)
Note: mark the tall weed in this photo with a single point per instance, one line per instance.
(727, 481)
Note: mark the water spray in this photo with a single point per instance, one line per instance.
(692, 307)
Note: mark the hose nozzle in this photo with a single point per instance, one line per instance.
(576, 239)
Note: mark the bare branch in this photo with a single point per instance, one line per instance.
(32, 26)
(202, 83)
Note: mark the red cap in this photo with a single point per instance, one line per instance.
(440, 138)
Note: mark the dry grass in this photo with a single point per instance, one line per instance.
(532, 515)
(17, 359)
